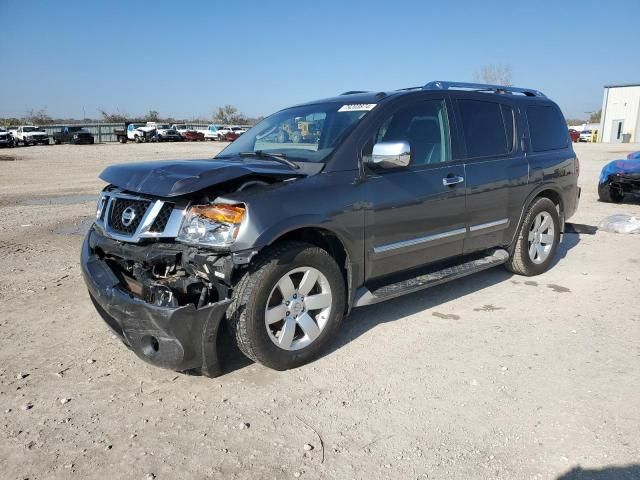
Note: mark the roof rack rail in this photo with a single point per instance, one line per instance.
(353, 92)
(406, 89)
(482, 87)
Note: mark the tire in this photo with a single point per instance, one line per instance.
(258, 287)
(610, 195)
(56, 141)
(137, 139)
(543, 245)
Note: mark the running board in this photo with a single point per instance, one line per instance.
(364, 296)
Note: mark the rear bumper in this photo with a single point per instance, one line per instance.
(179, 338)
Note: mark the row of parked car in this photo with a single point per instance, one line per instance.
(138, 132)
(583, 136)
(25, 135)
(178, 132)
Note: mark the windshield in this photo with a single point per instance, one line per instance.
(181, 127)
(586, 132)
(163, 126)
(76, 129)
(308, 133)
(29, 129)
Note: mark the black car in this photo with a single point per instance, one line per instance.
(74, 135)
(398, 191)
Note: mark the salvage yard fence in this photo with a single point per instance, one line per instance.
(103, 132)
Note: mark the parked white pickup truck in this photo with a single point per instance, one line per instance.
(212, 133)
(164, 132)
(181, 128)
(139, 132)
(30, 135)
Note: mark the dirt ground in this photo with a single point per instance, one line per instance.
(493, 376)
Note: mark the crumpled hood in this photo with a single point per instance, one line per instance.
(619, 166)
(173, 178)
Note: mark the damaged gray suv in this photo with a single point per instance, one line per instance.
(324, 207)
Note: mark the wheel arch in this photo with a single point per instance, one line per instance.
(328, 240)
(548, 190)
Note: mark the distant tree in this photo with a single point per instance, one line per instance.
(595, 117)
(152, 116)
(254, 120)
(575, 121)
(38, 117)
(228, 114)
(10, 121)
(114, 117)
(494, 74)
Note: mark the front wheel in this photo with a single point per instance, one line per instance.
(537, 240)
(287, 308)
(609, 194)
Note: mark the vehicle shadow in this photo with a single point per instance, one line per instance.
(363, 319)
(626, 472)
(631, 199)
(569, 241)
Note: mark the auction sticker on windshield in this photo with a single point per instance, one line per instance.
(357, 107)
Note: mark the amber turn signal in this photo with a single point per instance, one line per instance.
(220, 212)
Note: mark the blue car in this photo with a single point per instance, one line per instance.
(619, 178)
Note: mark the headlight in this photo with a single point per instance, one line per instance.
(102, 202)
(214, 225)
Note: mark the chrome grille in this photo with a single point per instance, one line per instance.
(160, 223)
(118, 206)
(148, 218)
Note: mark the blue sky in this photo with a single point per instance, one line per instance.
(185, 58)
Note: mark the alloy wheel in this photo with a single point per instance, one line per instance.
(298, 308)
(541, 237)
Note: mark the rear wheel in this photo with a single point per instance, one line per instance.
(287, 308)
(537, 240)
(137, 139)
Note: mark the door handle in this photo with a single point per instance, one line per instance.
(452, 180)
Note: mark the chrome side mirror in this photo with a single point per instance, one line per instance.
(391, 154)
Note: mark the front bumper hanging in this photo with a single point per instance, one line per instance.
(177, 338)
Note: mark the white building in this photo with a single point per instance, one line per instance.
(621, 113)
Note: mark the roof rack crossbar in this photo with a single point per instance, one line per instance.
(482, 87)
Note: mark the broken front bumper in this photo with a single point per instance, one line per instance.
(177, 338)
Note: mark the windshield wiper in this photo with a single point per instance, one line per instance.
(278, 157)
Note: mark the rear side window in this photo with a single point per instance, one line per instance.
(547, 128)
(488, 128)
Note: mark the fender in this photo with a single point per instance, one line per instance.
(319, 222)
(354, 266)
(527, 203)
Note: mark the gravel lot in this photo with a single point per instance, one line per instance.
(494, 376)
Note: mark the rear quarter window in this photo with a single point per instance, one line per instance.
(547, 128)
